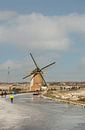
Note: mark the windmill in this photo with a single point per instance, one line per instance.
(37, 79)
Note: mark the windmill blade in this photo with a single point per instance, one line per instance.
(47, 66)
(43, 79)
(27, 76)
(34, 60)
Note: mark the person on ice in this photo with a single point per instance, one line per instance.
(11, 98)
(2, 93)
(5, 93)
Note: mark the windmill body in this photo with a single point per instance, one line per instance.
(36, 82)
(37, 79)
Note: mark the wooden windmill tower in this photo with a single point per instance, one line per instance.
(37, 79)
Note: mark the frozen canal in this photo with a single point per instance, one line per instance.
(28, 113)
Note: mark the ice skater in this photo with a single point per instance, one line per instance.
(11, 98)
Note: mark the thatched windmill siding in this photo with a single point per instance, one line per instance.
(36, 82)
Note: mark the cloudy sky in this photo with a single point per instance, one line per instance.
(52, 30)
